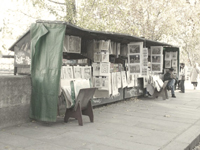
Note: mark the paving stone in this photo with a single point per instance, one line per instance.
(147, 140)
(47, 146)
(100, 147)
(175, 145)
(151, 124)
(189, 135)
(6, 147)
(166, 126)
(35, 131)
(17, 141)
(111, 142)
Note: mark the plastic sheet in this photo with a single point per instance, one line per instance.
(46, 60)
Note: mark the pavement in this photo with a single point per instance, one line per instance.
(134, 124)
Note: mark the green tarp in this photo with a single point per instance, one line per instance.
(46, 60)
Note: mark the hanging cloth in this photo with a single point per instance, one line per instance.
(46, 59)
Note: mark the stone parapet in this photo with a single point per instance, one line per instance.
(15, 95)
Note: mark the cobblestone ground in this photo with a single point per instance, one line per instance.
(188, 85)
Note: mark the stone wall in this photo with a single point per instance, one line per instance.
(15, 95)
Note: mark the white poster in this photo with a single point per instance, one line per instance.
(134, 68)
(167, 55)
(167, 63)
(77, 72)
(72, 44)
(66, 72)
(135, 48)
(104, 57)
(144, 71)
(135, 79)
(97, 82)
(131, 80)
(104, 68)
(123, 77)
(145, 52)
(79, 84)
(174, 55)
(134, 59)
(105, 82)
(174, 63)
(114, 84)
(156, 50)
(119, 80)
(97, 57)
(128, 77)
(156, 67)
(86, 72)
(96, 69)
(156, 59)
(105, 45)
(145, 62)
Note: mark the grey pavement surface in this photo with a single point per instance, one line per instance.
(135, 124)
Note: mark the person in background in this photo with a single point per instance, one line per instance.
(194, 75)
(177, 84)
(182, 78)
(171, 84)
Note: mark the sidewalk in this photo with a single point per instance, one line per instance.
(136, 124)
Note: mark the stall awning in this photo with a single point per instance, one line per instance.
(90, 34)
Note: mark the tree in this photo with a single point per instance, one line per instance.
(189, 32)
(171, 21)
(16, 20)
(64, 10)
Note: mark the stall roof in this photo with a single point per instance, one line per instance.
(99, 35)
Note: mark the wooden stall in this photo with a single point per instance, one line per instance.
(97, 50)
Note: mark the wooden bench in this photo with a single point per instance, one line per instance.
(163, 91)
(82, 106)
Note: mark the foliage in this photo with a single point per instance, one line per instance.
(170, 21)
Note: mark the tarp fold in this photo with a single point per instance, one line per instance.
(46, 61)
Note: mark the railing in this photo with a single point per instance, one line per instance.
(6, 66)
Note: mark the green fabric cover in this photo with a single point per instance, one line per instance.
(46, 60)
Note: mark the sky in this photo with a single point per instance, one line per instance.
(3, 9)
(18, 15)
(18, 18)
(10, 16)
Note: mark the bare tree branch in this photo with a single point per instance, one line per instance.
(57, 2)
(27, 15)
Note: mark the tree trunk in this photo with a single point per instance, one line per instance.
(71, 11)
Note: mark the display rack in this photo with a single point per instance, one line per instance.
(22, 52)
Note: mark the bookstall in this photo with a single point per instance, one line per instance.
(171, 59)
(119, 65)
